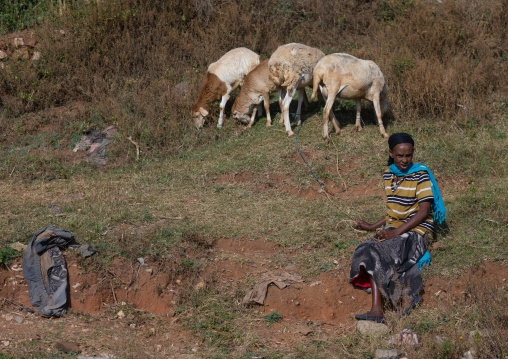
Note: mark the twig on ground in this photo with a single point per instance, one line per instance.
(113, 290)
(137, 147)
(173, 218)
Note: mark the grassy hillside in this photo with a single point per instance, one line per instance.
(116, 63)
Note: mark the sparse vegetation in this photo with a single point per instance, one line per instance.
(115, 62)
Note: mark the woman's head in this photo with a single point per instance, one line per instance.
(401, 147)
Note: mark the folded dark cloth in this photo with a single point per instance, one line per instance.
(45, 271)
(392, 264)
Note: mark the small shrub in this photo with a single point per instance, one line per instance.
(272, 318)
(7, 254)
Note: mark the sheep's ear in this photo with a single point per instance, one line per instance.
(203, 112)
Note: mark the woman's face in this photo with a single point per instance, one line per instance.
(402, 155)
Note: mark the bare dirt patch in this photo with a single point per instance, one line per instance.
(323, 305)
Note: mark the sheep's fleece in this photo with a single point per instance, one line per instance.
(45, 271)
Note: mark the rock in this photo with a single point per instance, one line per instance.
(18, 319)
(405, 337)
(120, 314)
(149, 270)
(470, 354)
(20, 247)
(367, 327)
(290, 267)
(439, 340)
(199, 286)
(30, 42)
(3, 55)
(18, 42)
(16, 268)
(315, 283)
(7, 317)
(180, 90)
(36, 56)
(6, 343)
(141, 261)
(303, 329)
(388, 354)
(68, 347)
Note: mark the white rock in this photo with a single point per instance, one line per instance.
(36, 56)
(405, 337)
(367, 327)
(120, 314)
(3, 55)
(18, 42)
(470, 354)
(387, 354)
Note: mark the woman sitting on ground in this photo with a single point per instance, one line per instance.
(389, 263)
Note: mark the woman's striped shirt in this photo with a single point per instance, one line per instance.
(404, 197)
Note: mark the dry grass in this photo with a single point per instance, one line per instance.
(123, 57)
(445, 65)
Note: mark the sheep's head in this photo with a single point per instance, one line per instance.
(243, 117)
(199, 117)
(241, 112)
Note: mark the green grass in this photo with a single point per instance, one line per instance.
(172, 209)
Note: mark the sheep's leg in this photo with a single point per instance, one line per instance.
(223, 102)
(327, 115)
(335, 122)
(377, 107)
(260, 110)
(358, 126)
(282, 95)
(301, 95)
(305, 99)
(266, 100)
(251, 122)
(286, 102)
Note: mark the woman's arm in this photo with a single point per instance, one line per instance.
(418, 218)
(370, 227)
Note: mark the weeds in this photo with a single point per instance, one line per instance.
(272, 318)
(7, 254)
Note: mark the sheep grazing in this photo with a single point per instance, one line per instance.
(256, 88)
(222, 77)
(291, 68)
(350, 78)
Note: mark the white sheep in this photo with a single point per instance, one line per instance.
(350, 78)
(291, 68)
(256, 88)
(222, 77)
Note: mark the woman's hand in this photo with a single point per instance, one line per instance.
(388, 233)
(370, 227)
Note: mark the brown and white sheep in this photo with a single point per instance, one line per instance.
(256, 88)
(291, 68)
(222, 77)
(350, 78)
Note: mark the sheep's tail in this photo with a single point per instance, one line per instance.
(315, 84)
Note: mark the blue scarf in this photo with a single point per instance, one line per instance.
(438, 208)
